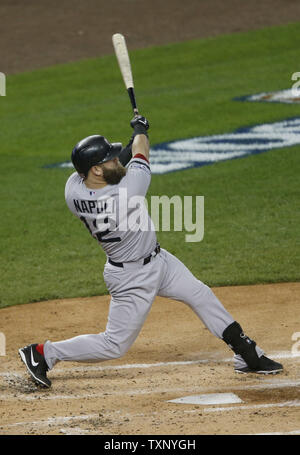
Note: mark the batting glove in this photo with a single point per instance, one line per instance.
(140, 125)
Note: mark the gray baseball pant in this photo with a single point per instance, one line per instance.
(133, 289)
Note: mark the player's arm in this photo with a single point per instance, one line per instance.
(140, 145)
(126, 153)
(138, 175)
(140, 126)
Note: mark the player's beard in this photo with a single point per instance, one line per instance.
(114, 176)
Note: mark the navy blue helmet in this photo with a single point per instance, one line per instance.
(93, 150)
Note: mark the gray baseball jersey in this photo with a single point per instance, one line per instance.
(116, 215)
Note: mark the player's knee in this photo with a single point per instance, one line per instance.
(115, 348)
(123, 349)
(203, 293)
(201, 296)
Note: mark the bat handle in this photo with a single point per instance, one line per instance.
(133, 100)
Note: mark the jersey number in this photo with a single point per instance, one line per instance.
(100, 235)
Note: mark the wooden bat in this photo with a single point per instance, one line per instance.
(122, 55)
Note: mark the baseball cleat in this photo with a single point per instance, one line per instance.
(35, 364)
(266, 366)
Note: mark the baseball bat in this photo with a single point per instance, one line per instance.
(122, 55)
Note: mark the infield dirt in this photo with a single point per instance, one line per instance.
(36, 35)
(174, 356)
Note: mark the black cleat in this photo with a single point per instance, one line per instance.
(266, 366)
(35, 364)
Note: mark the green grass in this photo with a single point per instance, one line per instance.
(251, 204)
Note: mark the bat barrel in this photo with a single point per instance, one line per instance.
(122, 55)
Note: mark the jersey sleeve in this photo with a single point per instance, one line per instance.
(138, 176)
(71, 189)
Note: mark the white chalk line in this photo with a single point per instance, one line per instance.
(121, 367)
(277, 433)
(51, 421)
(150, 391)
(286, 404)
(85, 368)
(276, 355)
(74, 431)
(54, 421)
(131, 366)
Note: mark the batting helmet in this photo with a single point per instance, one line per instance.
(93, 150)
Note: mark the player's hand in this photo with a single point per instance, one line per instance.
(140, 124)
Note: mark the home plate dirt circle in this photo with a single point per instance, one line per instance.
(174, 357)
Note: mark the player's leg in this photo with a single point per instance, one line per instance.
(132, 293)
(126, 318)
(180, 284)
(120, 333)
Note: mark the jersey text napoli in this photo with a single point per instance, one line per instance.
(116, 215)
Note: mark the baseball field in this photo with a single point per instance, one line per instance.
(188, 84)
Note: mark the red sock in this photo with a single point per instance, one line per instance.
(40, 348)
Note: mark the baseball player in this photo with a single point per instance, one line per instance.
(137, 268)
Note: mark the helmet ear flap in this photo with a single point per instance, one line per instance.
(79, 162)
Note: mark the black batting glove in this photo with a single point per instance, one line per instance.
(140, 125)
